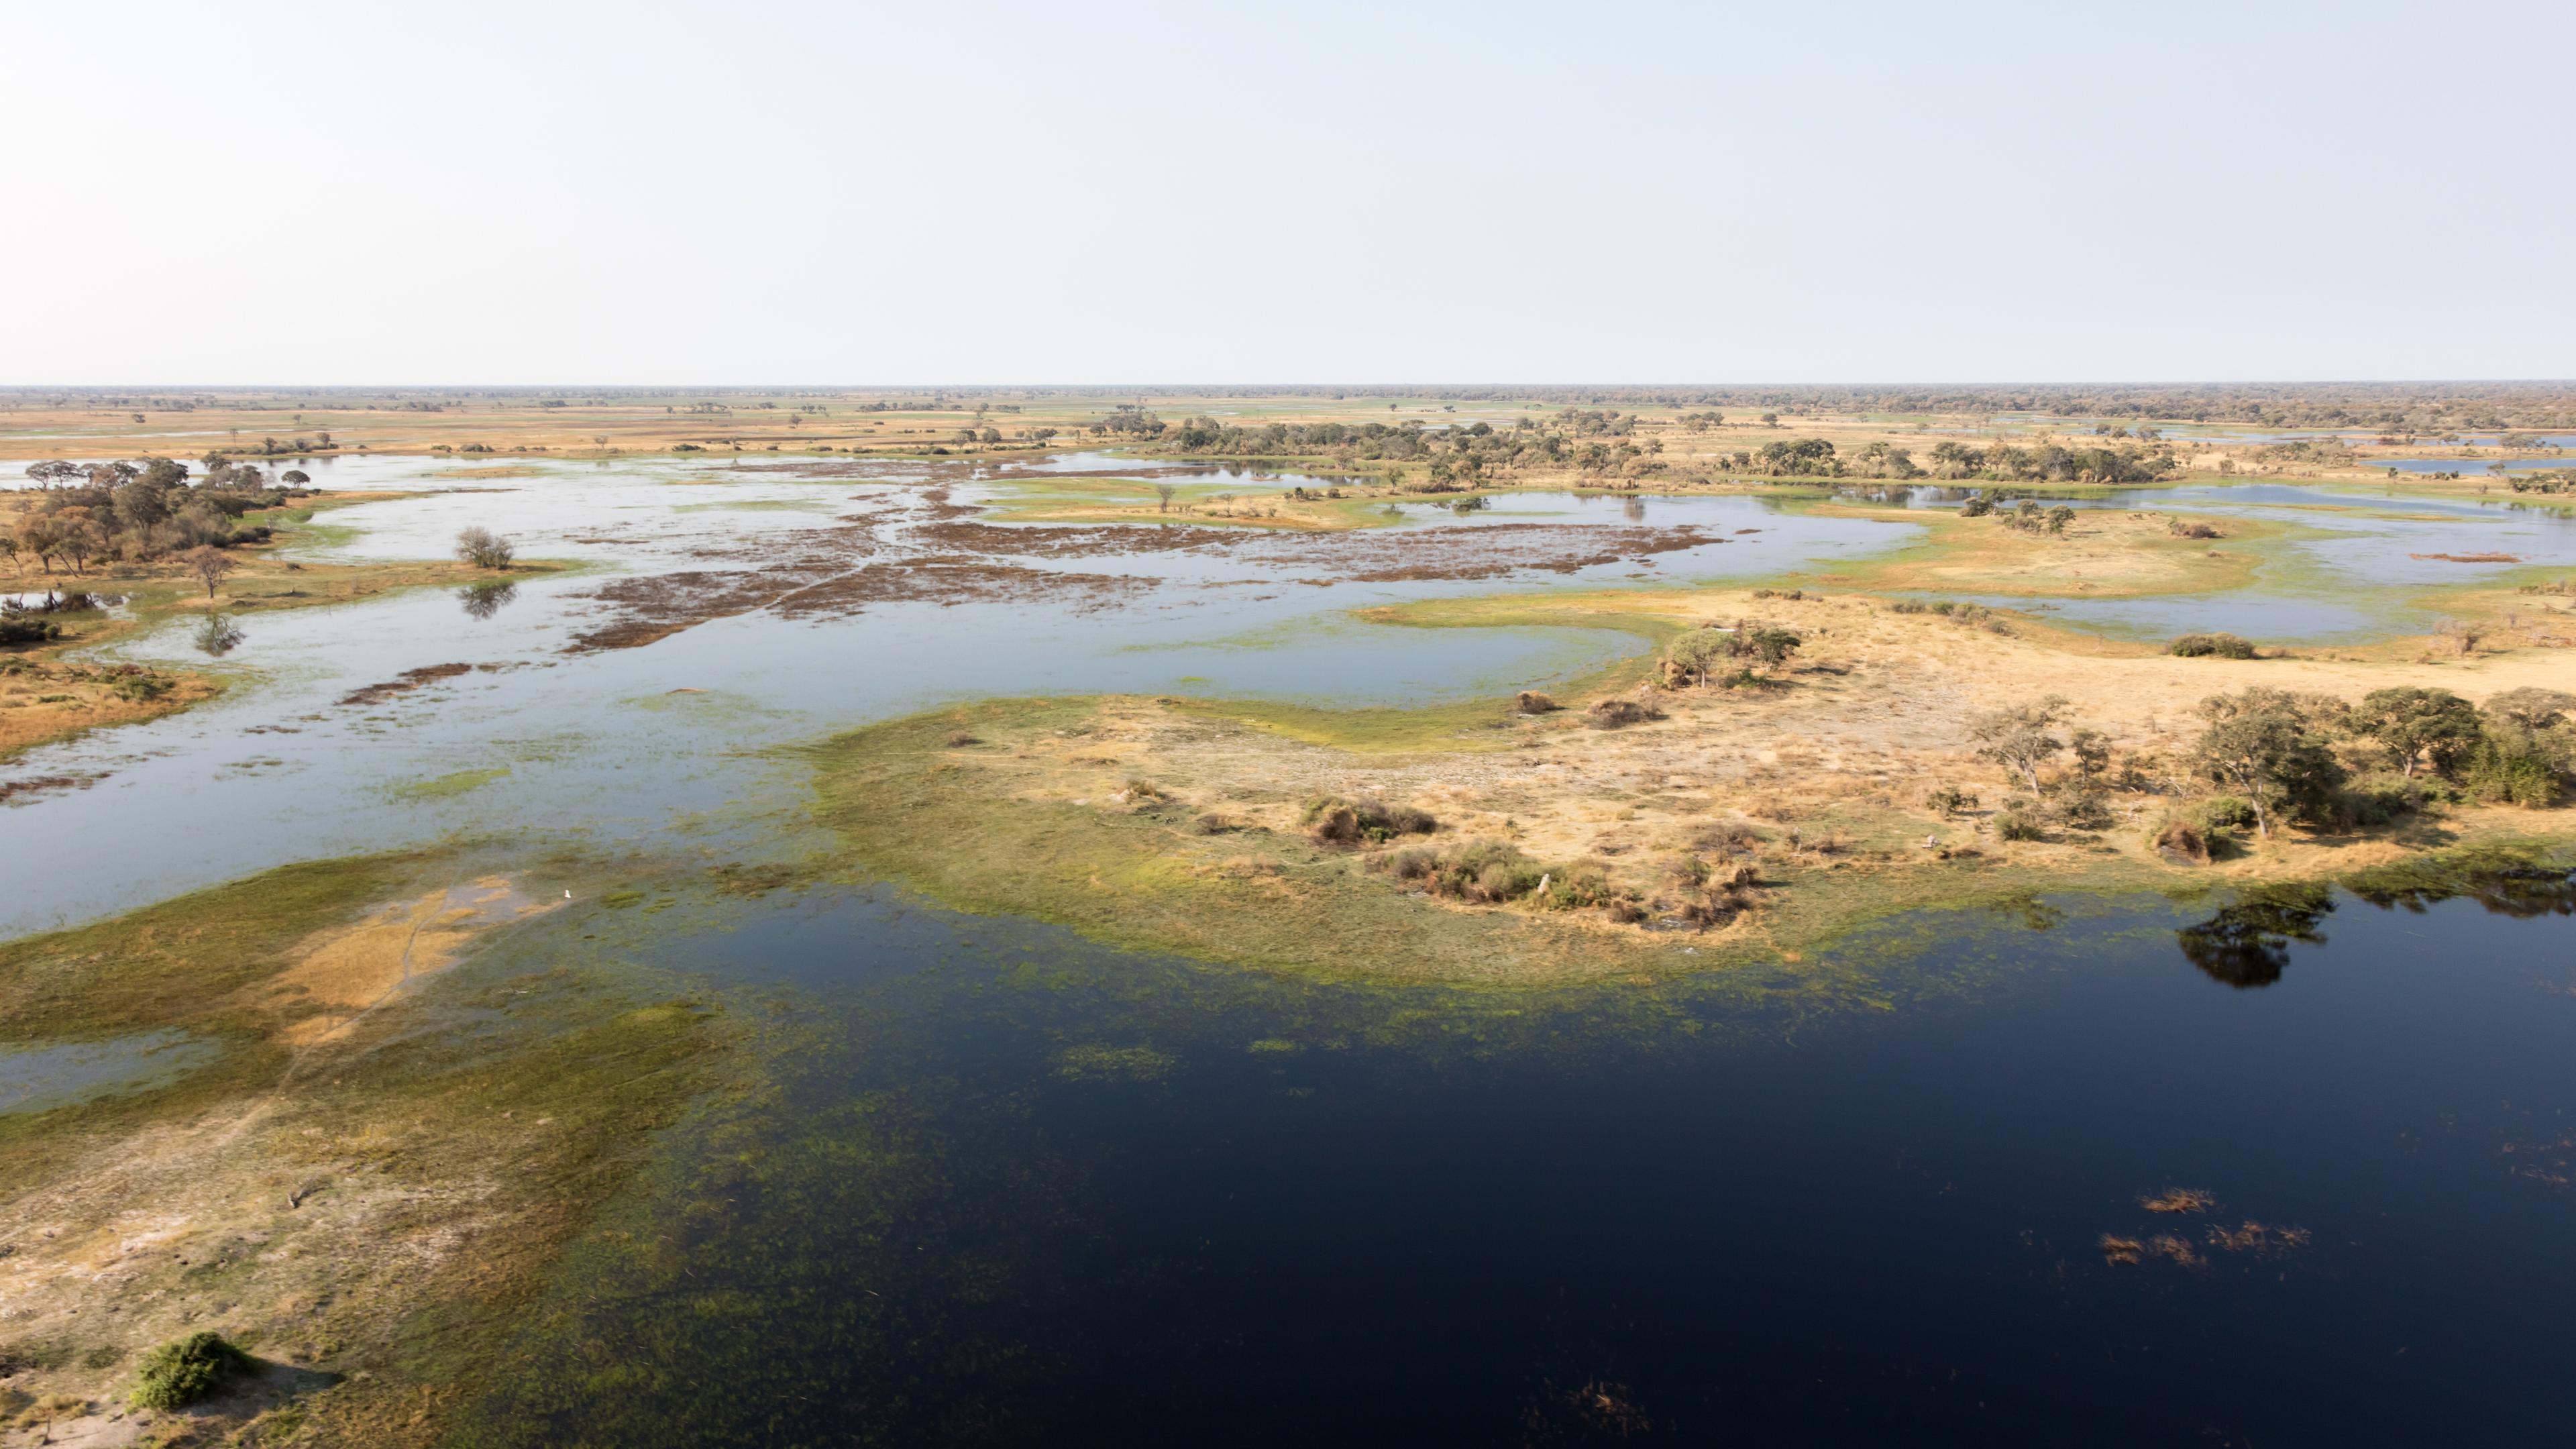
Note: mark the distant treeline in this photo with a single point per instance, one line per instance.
(2400, 407)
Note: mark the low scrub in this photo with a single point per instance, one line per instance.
(184, 1370)
(1485, 871)
(1612, 714)
(1349, 824)
(2210, 646)
(1531, 701)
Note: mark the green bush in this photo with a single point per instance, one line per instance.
(184, 1370)
(2222, 813)
(2204, 646)
(2087, 810)
(2494, 773)
(2014, 825)
(29, 631)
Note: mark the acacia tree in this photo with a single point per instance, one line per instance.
(209, 565)
(2019, 737)
(2412, 724)
(2260, 742)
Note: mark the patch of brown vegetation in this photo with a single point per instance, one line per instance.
(354, 969)
(405, 682)
(2179, 1200)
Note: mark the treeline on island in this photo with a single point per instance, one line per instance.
(138, 513)
(1606, 443)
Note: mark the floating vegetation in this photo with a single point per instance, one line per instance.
(1096, 1063)
(2179, 1200)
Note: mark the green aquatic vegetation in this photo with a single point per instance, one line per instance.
(459, 782)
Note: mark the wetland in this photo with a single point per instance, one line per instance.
(907, 940)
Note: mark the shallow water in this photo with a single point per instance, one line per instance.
(1009, 1186)
(40, 1077)
(992, 1182)
(599, 745)
(2339, 577)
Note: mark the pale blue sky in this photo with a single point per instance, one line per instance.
(781, 193)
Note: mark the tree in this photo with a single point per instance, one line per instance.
(1165, 492)
(2261, 743)
(2018, 737)
(295, 478)
(1767, 644)
(2531, 708)
(209, 565)
(484, 549)
(2412, 723)
(1690, 657)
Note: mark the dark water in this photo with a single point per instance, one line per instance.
(998, 1185)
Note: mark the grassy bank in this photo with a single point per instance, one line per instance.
(370, 1169)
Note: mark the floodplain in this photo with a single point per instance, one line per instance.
(1015, 916)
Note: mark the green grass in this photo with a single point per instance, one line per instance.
(441, 787)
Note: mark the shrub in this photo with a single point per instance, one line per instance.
(184, 1370)
(1729, 837)
(1487, 871)
(2222, 813)
(2200, 646)
(484, 549)
(2378, 799)
(1575, 888)
(28, 631)
(1530, 701)
(2183, 842)
(143, 688)
(1332, 820)
(1950, 800)
(2087, 811)
(1722, 896)
(2495, 773)
(2012, 824)
(1611, 714)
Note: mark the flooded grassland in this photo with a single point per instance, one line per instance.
(847, 946)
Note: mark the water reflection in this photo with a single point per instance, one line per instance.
(482, 601)
(2522, 892)
(2247, 944)
(219, 635)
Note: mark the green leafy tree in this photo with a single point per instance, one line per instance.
(2263, 745)
(2415, 724)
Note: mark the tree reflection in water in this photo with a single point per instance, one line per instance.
(2248, 944)
(219, 635)
(482, 601)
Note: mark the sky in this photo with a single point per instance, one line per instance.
(750, 193)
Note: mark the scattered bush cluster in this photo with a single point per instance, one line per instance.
(1332, 820)
(2204, 646)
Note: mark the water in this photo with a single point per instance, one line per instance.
(991, 1182)
(598, 745)
(1013, 1187)
(39, 1077)
(2340, 576)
